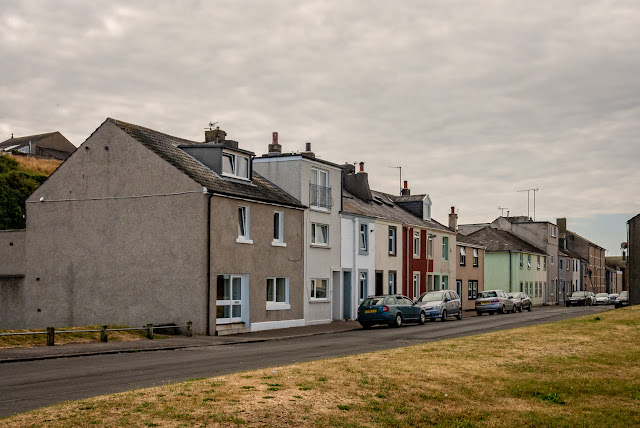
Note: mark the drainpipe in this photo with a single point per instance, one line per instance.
(355, 280)
(208, 260)
(510, 263)
(409, 256)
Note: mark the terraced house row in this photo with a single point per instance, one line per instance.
(137, 227)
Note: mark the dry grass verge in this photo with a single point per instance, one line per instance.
(28, 341)
(43, 166)
(580, 372)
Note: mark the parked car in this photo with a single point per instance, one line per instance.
(592, 296)
(393, 309)
(521, 301)
(623, 299)
(440, 304)
(493, 301)
(602, 299)
(612, 298)
(579, 298)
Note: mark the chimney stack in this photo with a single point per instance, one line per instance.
(274, 147)
(405, 191)
(361, 166)
(453, 220)
(215, 136)
(308, 151)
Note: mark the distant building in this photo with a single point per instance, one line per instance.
(51, 145)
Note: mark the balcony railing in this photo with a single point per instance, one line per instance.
(320, 196)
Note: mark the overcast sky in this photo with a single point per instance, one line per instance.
(475, 100)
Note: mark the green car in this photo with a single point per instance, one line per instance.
(392, 309)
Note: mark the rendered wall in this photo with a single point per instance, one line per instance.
(470, 272)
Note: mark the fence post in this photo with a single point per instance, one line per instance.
(103, 334)
(149, 331)
(51, 336)
(189, 333)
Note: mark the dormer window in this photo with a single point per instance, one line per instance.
(426, 208)
(235, 165)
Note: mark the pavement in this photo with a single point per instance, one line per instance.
(11, 355)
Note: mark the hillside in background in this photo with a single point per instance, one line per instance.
(19, 177)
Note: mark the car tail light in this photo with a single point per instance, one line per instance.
(385, 308)
(495, 301)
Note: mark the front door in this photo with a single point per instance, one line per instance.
(229, 299)
(347, 299)
(379, 291)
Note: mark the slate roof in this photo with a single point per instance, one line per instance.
(461, 240)
(585, 239)
(383, 207)
(166, 146)
(409, 198)
(63, 145)
(568, 253)
(499, 241)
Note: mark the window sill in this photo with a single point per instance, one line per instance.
(238, 177)
(319, 209)
(312, 300)
(320, 246)
(278, 306)
(278, 244)
(244, 241)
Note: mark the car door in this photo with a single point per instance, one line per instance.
(456, 303)
(412, 310)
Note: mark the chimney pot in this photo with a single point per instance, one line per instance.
(274, 138)
(361, 166)
(274, 147)
(405, 184)
(453, 210)
(308, 147)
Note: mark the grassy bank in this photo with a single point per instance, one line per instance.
(580, 372)
(27, 341)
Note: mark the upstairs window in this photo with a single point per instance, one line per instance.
(463, 256)
(319, 234)
(529, 261)
(278, 228)
(475, 257)
(244, 225)
(560, 263)
(416, 244)
(445, 248)
(430, 245)
(319, 190)
(544, 260)
(521, 260)
(364, 237)
(553, 231)
(235, 165)
(393, 249)
(538, 263)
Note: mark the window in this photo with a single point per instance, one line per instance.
(553, 231)
(416, 244)
(319, 190)
(568, 265)
(473, 289)
(445, 282)
(553, 260)
(319, 234)
(244, 225)
(278, 229)
(392, 282)
(416, 285)
(475, 257)
(445, 248)
(430, 245)
(521, 260)
(560, 262)
(544, 261)
(463, 256)
(521, 289)
(364, 237)
(538, 264)
(535, 292)
(319, 289)
(278, 293)
(235, 165)
(363, 288)
(392, 241)
(529, 261)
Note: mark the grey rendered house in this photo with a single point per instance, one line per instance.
(141, 227)
(51, 145)
(317, 184)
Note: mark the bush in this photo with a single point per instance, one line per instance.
(16, 185)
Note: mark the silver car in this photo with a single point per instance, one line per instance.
(440, 304)
(493, 301)
(602, 299)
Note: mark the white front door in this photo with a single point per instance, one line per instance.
(229, 299)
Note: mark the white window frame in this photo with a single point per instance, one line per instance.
(429, 245)
(393, 282)
(445, 282)
(416, 244)
(244, 214)
(314, 289)
(476, 258)
(393, 241)
(317, 173)
(553, 259)
(235, 161)
(553, 231)
(279, 240)
(316, 231)
(538, 262)
(521, 260)
(445, 248)
(364, 237)
(528, 261)
(274, 305)
(463, 256)
(544, 261)
(363, 286)
(416, 285)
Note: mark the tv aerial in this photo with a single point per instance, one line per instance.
(212, 125)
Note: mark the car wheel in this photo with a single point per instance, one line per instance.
(479, 313)
(491, 312)
(459, 316)
(432, 319)
(501, 309)
(398, 321)
(423, 318)
(514, 309)
(444, 315)
(530, 307)
(520, 308)
(366, 326)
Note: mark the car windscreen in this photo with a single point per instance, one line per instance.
(602, 295)
(624, 294)
(486, 294)
(514, 295)
(579, 294)
(373, 301)
(436, 296)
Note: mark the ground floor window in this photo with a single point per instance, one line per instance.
(278, 293)
(473, 289)
(319, 288)
(363, 285)
(445, 282)
(416, 285)
(392, 282)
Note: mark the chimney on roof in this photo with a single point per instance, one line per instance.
(361, 166)
(274, 147)
(405, 190)
(308, 151)
(453, 220)
(215, 136)
(357, 184)
(562, 225)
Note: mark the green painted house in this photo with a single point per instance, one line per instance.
(512, 264)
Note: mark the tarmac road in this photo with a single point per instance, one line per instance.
(29, 385)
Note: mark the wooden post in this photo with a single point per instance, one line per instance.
(149, 331)
(51, 336)
(189, 332)
(103, 334)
